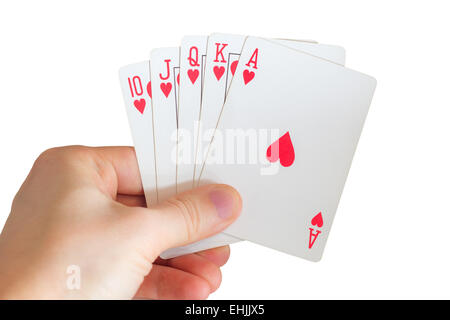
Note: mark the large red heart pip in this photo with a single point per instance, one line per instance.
(193, 74)
(219, 71)
(283, 150)
(248, 76)
(140, 105)
(317, 220)
(166, 87)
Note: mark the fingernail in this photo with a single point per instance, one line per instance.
(223, 200)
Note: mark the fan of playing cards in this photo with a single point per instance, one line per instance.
(277, 119)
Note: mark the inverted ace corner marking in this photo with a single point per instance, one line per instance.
(315, 229)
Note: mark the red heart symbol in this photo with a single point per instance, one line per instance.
(149, 89)
(317, 220)
(234, 66)
(283, 150)
(248, 76)
(178, 79)
(140, 105)
(166, 87)
(193, 74)
(219, 71)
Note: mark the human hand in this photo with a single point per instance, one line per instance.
(85, 207)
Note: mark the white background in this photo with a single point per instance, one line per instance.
(59, 85)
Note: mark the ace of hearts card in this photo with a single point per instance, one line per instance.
(301, 117)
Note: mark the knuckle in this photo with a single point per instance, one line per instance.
(56, 155)
(47, 162)
(189, 213)
(47, 156)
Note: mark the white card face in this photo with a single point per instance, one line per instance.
(222, 59)
(299, 119)
(136, 90)
(164, 65)
(192, 63)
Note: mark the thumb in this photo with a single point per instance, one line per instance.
(194, 215)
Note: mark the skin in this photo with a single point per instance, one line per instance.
(85, 207)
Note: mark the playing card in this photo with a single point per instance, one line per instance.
(164, 65)
(136, 90)
(222, 59)
(192, 63)
(289, 129)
